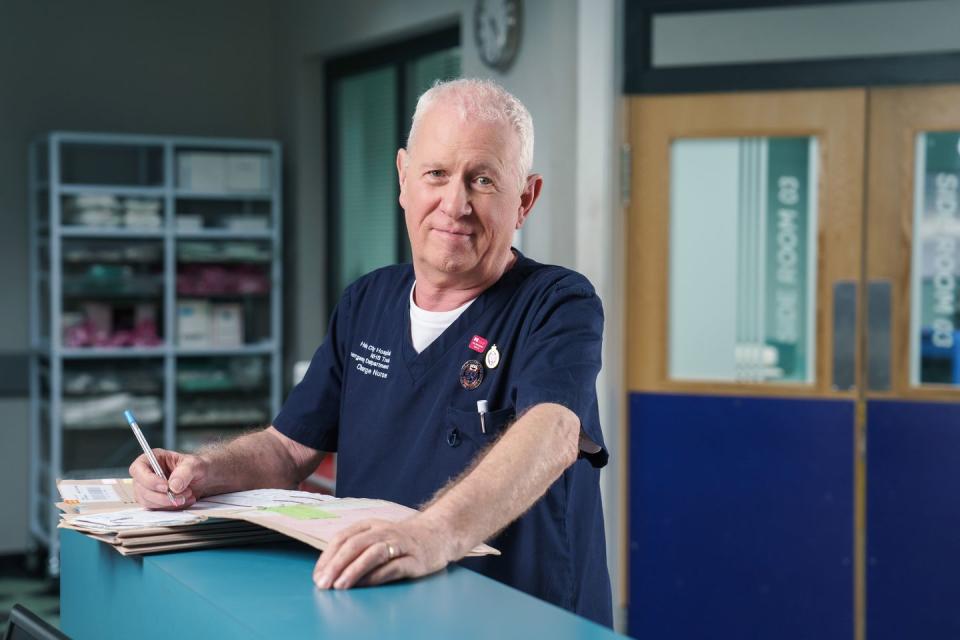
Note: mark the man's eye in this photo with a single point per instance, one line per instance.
(435, 173)
(484, 181)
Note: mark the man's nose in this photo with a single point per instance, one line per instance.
(456, 200)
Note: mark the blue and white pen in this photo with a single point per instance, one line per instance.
(482, 408)
(157, 469)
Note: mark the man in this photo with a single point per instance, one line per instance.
(463, 384)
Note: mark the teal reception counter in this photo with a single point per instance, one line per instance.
(267, 592)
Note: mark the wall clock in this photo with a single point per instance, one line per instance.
(496, 29)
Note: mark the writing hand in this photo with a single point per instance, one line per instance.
(185, 473)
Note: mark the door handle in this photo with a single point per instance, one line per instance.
(844, 335)
(878, 335)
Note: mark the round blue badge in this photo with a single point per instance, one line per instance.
(471, 374)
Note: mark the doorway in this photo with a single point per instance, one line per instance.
(792, 370)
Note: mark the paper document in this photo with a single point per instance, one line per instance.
(317, 524)
(260, 498)
(90, 493)
(96, 492)
(105, 509)
(138, 518)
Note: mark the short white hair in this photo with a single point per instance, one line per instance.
(482, 100)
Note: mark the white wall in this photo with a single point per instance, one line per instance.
(601, 250)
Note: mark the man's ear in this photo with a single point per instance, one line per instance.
(402, 171)
(528, 197)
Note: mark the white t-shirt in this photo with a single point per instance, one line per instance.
(426, 326)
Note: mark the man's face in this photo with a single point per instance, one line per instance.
(460, 191)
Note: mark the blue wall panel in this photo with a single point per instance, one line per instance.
(913, 520)
(741, 517)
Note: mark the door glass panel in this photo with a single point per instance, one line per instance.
(935, 341)
(743, 223)
(367, 206)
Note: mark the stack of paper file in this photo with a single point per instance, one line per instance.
(106, 510)
(170, 534)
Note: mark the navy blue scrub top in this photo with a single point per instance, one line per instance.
(403, 424)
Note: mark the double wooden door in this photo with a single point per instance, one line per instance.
(794, 364)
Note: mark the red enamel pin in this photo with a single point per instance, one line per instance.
(478, 343)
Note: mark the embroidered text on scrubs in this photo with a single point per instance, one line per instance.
(373, 361)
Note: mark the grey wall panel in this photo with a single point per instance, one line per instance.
(14, 422)
(14, 374)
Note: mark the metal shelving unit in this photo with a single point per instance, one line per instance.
(63, 168)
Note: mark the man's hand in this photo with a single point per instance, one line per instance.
(378, 551)
(510, 477)
(185, 472)
(259, 460)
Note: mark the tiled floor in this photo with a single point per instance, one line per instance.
(37, 593)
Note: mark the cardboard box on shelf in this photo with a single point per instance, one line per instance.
(193, 324)
(209, 172)
(248, 223)
(227, 321)
(99, 316)
(201, 171)
(247, 172)
(189, 222)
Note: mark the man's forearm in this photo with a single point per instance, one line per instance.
(253, 461)
(513, 475)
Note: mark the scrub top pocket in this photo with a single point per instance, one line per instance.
(463, 427)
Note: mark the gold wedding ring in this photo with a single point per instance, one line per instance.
(391, 551)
